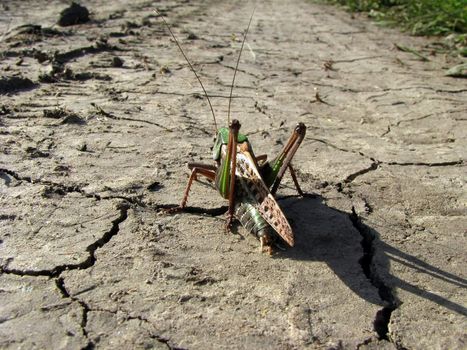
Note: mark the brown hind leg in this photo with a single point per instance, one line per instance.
(286, 156)
(295, 181)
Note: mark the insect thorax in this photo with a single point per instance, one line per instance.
(222, 139)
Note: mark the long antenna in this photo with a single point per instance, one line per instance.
(192, 69)
(236, 67)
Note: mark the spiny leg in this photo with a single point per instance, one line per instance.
(295, 181)
(234, 127)
(196, 169)
(265, 245)
(202, 166)
(284, 158)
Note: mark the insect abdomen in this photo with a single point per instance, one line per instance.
(251, 219)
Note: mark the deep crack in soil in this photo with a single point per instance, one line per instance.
(107, 111)
(383, 316)
(91, 249)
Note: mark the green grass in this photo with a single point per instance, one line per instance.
(419, 17)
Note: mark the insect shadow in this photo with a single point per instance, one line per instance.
(348, 247)
(341, 240)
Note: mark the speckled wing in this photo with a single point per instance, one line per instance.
(250, 178)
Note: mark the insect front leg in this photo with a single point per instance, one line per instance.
(208, 171)
(234, 128)
(225, 175)
(274, 170)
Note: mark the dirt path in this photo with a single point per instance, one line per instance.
(98, 120)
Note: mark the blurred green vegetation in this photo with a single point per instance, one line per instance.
(419, 17)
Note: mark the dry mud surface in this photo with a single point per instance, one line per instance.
(99, 119)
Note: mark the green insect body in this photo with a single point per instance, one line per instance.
(254, 205)
(247, 196)
(246, 181)
(223, 178)
(269, 170)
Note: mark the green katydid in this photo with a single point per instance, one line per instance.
(246, 181)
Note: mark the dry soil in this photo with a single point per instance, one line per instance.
(98, 120)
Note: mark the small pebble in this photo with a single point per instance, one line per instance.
(74, 14)
(117, 62)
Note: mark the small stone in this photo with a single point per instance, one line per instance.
(83, 147)
(117, 62)
(184, 298)
(73, 119)
(322, 184)
(74, 14)
(192, 36)
(15, 83)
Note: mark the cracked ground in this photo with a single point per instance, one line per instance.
(98, 121)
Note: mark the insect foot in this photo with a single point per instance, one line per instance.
(173, 210)
(265, 245)
(228, 224)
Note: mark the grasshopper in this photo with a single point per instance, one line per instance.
(248, 182)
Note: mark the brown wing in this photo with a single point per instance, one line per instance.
(266, 204)
(273, 214)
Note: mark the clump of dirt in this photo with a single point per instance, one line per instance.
(40, 56)
(34, 152)
(100, 45)
(74, 14)
(29, 33)
(4, 110)
(55, 113)
(15, 83)
(59, 72)
(192, 36)
(66, 116)
(73, 118)
(53, 192)
(117, 62)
